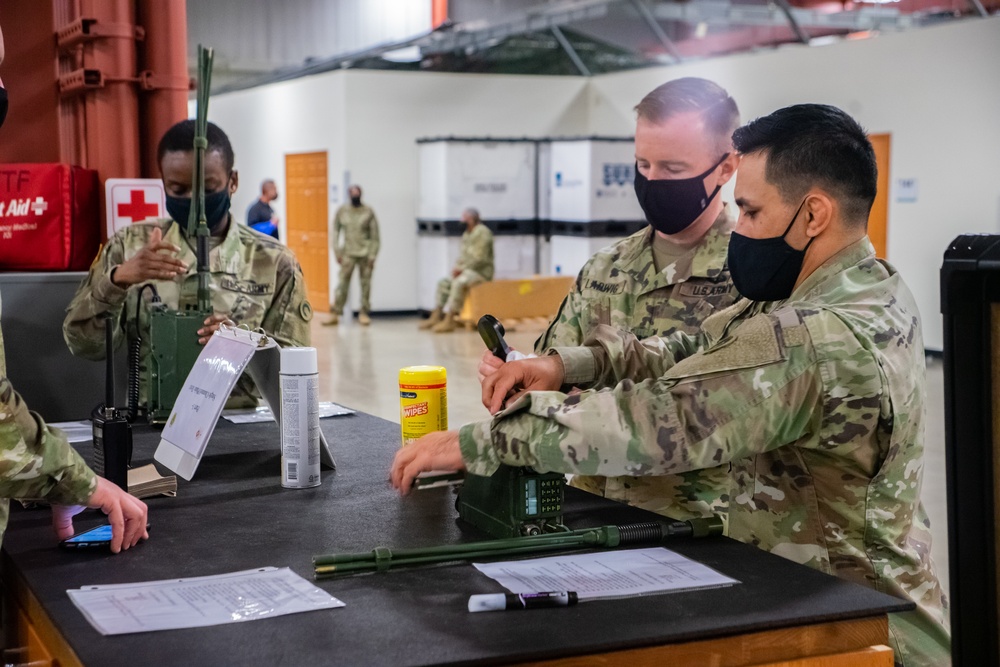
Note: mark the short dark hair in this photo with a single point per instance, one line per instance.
(180, 137)
(708, 98)
(815, 144)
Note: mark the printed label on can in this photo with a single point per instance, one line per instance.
(300, 460)
(423, 409)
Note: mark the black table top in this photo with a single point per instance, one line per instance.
(235, 515)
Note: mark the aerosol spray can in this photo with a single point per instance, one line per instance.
(299, 418)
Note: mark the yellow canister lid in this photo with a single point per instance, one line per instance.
(422, 374)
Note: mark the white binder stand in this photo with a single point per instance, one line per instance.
(227, 354)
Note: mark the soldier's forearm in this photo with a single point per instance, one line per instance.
(37, 461)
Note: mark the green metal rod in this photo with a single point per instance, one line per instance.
(329, 571)
(586, 537)
(197, 224)
(383, 558)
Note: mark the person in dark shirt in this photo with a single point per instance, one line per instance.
(260, 215)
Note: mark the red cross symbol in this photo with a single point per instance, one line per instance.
(39, 206)
(136, 208)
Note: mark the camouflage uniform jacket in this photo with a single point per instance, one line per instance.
(477, 251)
(360, 232)
(620, 286)
(816, 401)
(254, 279)
(36, 462)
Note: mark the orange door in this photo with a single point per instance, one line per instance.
(307, 212)
(878, 221)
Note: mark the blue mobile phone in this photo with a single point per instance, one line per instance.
(95, 537)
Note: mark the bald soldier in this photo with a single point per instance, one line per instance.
(669, 276)
(255, 280)
(811, 388)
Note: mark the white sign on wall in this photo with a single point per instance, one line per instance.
(133, 200)
(906, 189)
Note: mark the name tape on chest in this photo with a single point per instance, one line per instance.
(245, 286)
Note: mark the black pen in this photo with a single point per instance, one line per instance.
(502, 601)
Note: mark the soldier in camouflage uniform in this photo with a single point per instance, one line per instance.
(37, 463)
(357, 223)
(255, 281)
(655, 282)
(813, 391)
(474, 266)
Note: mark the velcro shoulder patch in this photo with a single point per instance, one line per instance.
(752, 343)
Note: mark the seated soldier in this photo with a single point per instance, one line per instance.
(255, 280)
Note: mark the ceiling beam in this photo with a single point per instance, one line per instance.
(570, 51)
(538, 19)
(723, 13)
(643, 9)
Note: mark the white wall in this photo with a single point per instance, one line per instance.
(935, 90)
(369, 121)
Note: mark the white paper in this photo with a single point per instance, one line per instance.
(207, 389)
(606, 574)
(76, 431)
(263, 413)
(170, 604)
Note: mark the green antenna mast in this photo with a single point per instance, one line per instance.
(197, 225)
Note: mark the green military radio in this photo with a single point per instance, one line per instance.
(513, 502)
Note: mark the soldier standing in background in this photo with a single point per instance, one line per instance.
(668, 277)
(812, 387)
(355, 244)
(474, 266)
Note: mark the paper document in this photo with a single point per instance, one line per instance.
(263, 413)
(249, 595)
(606, 574)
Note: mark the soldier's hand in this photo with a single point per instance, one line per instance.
(126, 514)
(156, 261)
(514, 379)
(434, 451)
(488, 365)
(212, 324)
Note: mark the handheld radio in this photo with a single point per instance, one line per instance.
(112, 432)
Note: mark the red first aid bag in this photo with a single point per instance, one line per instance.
(49, 217)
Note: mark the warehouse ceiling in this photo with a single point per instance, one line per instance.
(589, 37)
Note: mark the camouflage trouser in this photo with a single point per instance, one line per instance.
(347, 265)
(451, 291)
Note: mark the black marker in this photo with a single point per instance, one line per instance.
(501, 601)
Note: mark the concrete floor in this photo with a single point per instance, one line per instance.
(359, 368)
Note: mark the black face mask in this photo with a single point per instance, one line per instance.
(3, 105)
(355, 201)
(765, 269)
(216, 209)
(672, 205)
